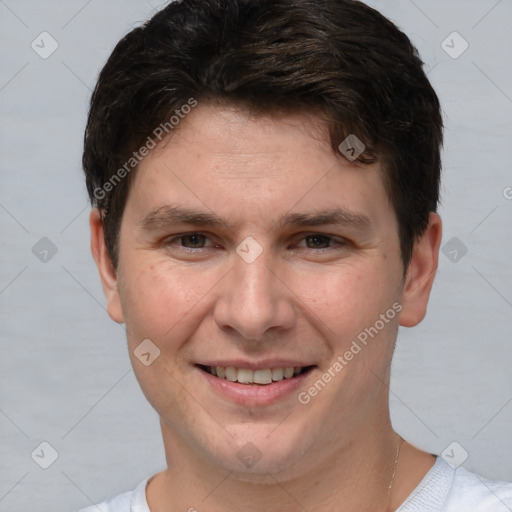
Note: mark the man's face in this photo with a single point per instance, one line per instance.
(258, 293)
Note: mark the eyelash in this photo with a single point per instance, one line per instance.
(331, 240)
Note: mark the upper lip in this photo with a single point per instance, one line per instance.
(255, 365)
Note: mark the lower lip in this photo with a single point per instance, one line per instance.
(255, 394)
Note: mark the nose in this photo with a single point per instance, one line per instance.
(255, 301)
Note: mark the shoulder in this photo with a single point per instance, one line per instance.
(445, 489)
(130, 501)
(471, 491)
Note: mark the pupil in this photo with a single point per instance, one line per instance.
(317, 240)
(194, 239)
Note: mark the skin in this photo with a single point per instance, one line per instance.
(197, 299)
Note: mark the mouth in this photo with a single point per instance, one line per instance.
(257, 377)
(255, 384)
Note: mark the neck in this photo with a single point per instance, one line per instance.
(351, 468)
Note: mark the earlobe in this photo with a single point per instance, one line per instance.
(421, 273)
(106, 270)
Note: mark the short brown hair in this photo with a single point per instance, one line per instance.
(340, 58)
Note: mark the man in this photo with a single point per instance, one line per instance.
(264, 179)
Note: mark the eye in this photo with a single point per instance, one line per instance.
(319, 241)
(189, 241)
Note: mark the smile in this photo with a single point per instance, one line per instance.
(263, 376)
(257, 386)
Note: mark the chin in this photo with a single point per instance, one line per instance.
(256, 451)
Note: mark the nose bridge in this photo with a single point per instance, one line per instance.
(253, 279)
(253, 300)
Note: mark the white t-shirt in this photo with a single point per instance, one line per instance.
(443, 489)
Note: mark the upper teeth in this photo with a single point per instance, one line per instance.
(246, 376)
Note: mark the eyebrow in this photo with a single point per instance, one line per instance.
(167, 215)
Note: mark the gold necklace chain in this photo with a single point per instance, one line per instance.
(400, 441)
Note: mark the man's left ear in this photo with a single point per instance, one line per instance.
(420, 273)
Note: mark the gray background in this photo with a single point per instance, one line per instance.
(65, 373)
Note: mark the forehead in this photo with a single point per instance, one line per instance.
(234, 137)
(227, 162)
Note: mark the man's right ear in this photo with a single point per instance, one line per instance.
(106, 269)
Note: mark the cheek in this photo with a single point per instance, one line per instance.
(157, 299)
(158, 302)
(349, 299)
